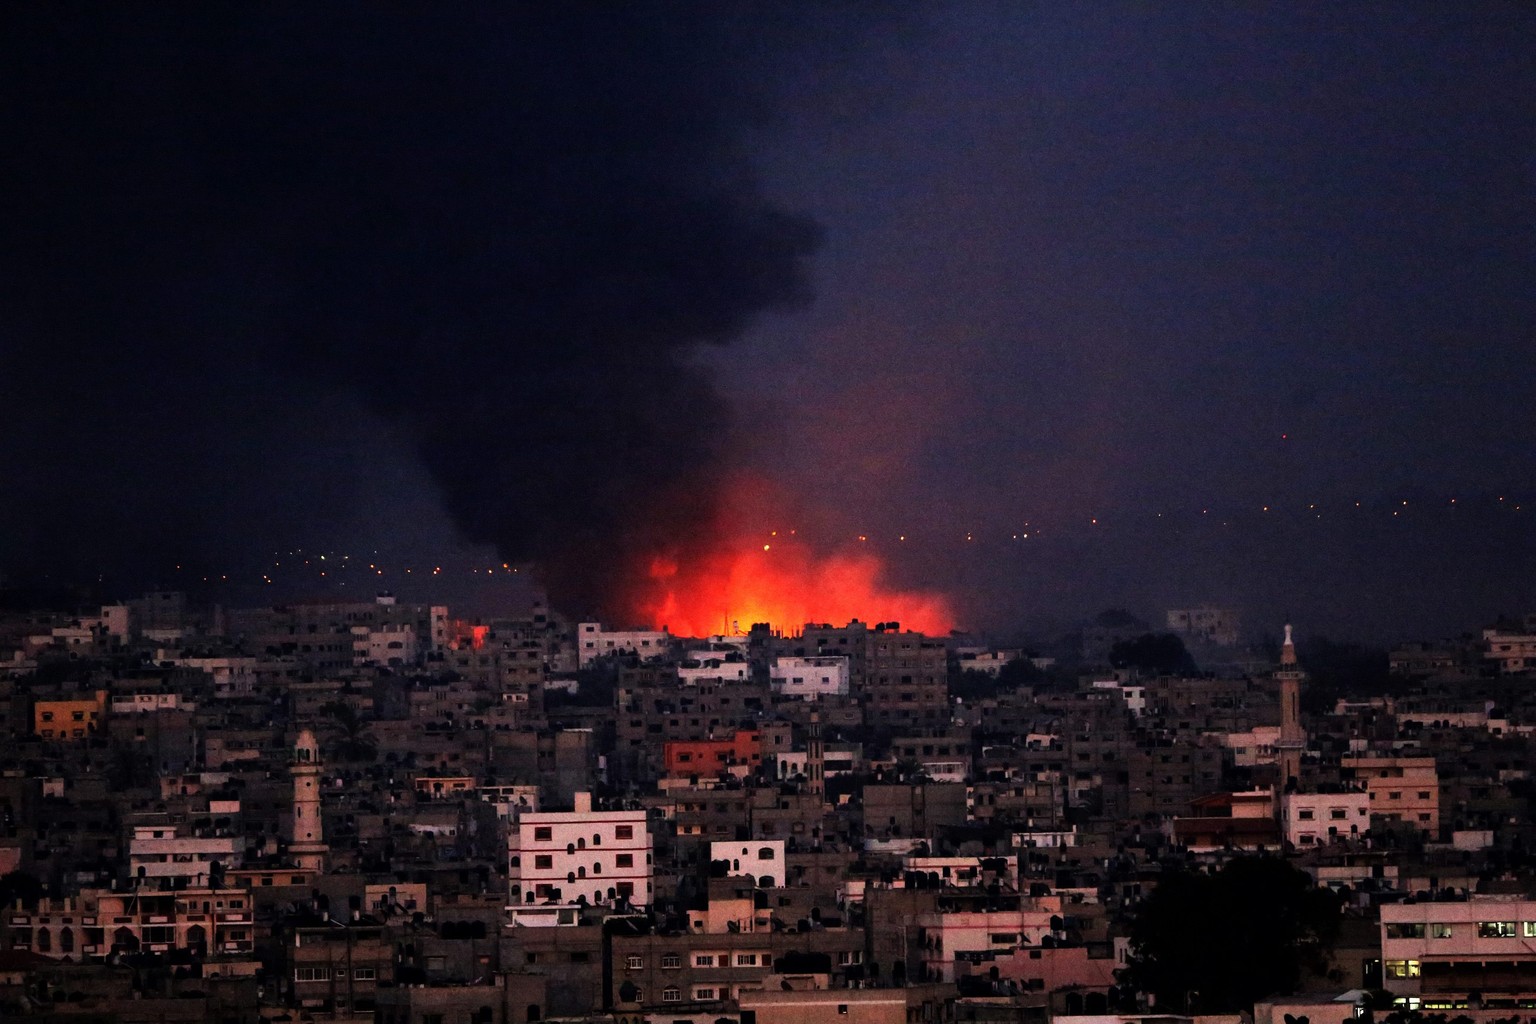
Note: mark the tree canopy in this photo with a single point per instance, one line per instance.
(1160, 653)
(1217, 943)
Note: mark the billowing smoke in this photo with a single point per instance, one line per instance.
(501, 229)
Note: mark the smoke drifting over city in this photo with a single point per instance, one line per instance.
(993, 314)
(497, 235)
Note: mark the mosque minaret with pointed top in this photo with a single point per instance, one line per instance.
(1292, 739)
(307, 849)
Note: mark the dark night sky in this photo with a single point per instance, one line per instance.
(528, 277)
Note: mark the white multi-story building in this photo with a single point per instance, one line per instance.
(384, 646)
(762, 860)
(729, 667)
(593, 641)
(158, 851)
(1316, 819)
(565, 858)
(147, 703)
(809, 678)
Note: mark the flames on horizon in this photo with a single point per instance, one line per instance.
(781, 581)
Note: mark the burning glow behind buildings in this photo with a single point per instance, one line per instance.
(781, 582)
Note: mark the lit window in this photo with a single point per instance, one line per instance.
(1495, 929)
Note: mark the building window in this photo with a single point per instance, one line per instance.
(1495, 929)
(1400, 968)
(671, 961)
(1305, 814)
(634, 963)
(1337, 813)
(704, 993)
(1405, 931)
(746, 959)
(1441, 930)
(543, 860)
(311, 973)
(624, 860)
(543, 834)
(672, 995)
(624, 832)
(704, 960)
(365, 974)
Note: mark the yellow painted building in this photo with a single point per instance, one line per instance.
(69, 719)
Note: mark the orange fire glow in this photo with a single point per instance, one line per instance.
(463, 634)
(784, 583)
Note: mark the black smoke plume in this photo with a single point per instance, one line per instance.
(500, 228)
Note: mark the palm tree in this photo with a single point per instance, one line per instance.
(351, 739)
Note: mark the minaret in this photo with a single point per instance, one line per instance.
(308, 849)
(1292, 739)
(815, 756)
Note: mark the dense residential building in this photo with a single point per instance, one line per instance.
(373, 811)
(1449, 954)
(581, 856)
(810, 678)
(1402, 790)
